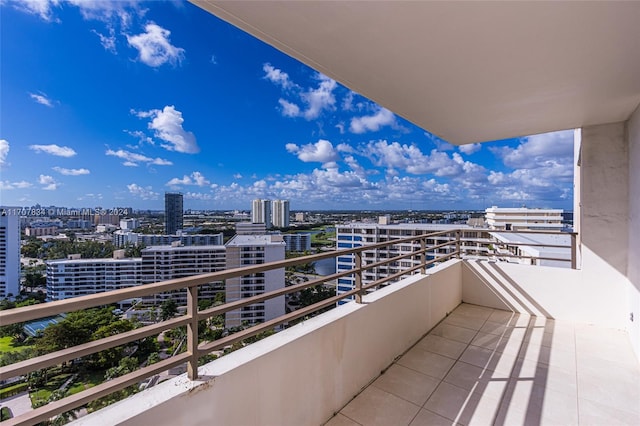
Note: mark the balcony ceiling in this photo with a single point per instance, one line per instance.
(465, 71)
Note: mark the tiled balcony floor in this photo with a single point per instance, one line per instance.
(489, 367)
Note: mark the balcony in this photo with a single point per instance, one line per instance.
(469, 340)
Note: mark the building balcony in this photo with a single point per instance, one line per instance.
(470, 342)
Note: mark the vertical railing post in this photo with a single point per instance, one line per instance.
(574, 259)
(458, 244)
(423, 255)
(358, 276)
(192, 332)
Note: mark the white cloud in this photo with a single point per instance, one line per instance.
(53, 149)
(277, 76)
(71, 172)
(42, 99)
(145, 193)
(237, 176)
(289, 109)
(154, 47)
(6, 185)
(320, 98)
(107, 41)
(167, 124)
(372, 123)
(321, 151)
(539, 150)
(469, 148)
(4, 151)
(198, 196)
(48, 183)
(41, 8)
(196, 178)
(132, 159)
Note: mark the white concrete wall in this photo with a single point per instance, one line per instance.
(633, 266)
(303, 375)
(605, 217)
(558, 293)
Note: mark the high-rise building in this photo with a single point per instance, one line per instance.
(173, 211)
(246, 250)
(9, 252)
(161, 263)
(261, 212)
(280, 213)
(518, 219)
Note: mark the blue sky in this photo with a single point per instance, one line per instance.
(107, 104)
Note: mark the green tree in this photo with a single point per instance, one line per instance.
(168, 309)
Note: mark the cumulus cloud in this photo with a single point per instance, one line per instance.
(469, 148)
(41, 8)
(107, 41)
(309, 103)
(167, 126)
(237, 176)
(71, 172)
(6, 185)
(277, 76)
(372, 123)
(196, 178)
(53, 149)
(321, 151)
(154, 47)
(48, 183)
(538, 150)
(145, 193)
(42, 99)
(4, 151)
(132, 159)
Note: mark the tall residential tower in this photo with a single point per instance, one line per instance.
(173, 211)
(9, 253)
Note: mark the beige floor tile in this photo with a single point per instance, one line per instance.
(595, 414)
(407, 384)
(556, 378)
(441, 346)
(494, 327)
(476, 379)
(502, 317)
(429, 363)
(428, 418)
(474, 311)
(610, 384)
(453, 332)
(539, 404)
(376, 407)
(465, 321)
(510, 342)
(501, 363)
(462, 406)
(341, 420)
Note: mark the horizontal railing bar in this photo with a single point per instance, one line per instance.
(74, 401)
(209, 347)
(54, 358)
(248, 301)
(509, 243)
(28, 313)
(529, 257)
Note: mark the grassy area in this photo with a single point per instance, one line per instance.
(6, 345)
(6, 414)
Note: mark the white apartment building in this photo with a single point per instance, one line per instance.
(9, 253)
(246, 250)
(519, 219)
(129, 224)
(122, 238)
(261, 212)
(280, 217)
(161, 263)
(359, 234)
(75, 277)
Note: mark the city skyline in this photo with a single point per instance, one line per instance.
(143, 104)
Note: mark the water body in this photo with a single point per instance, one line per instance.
(325, 266)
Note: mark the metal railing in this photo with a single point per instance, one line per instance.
(422, 254)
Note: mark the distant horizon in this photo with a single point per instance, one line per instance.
(162, 96)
